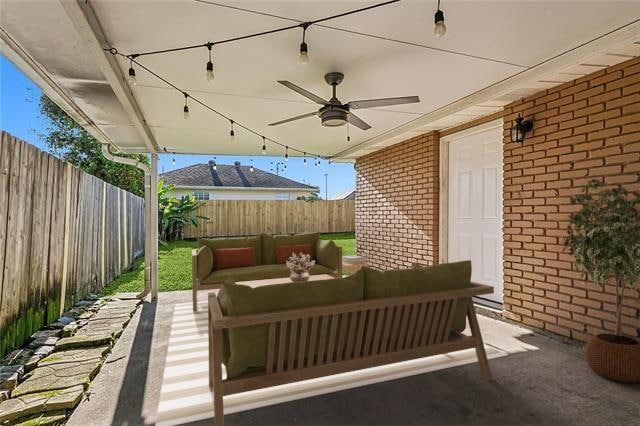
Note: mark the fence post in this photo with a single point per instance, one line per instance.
(65, 247)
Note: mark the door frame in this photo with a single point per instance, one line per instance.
(443, 211)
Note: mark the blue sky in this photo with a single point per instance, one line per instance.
(20, 116)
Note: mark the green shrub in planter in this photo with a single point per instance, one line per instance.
(604, 238)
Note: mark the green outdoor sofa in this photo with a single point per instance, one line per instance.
(284, 333)
(205, 276)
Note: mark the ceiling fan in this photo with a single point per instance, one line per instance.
(333, 112)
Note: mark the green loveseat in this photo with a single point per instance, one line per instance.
(327, 254)
(247, 347)
(284, 333)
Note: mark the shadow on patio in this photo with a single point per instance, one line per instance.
(157, 373)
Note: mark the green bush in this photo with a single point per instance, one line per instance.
(604, 238)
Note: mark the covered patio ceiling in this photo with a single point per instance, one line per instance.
(493, 53)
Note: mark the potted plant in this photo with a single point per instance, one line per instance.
(299, 265)
(604, 238)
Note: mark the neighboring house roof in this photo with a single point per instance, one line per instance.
(233, 176)
(346, 195)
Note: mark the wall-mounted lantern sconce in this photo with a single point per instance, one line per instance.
(520, 129)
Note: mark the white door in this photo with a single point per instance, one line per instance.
(475, 205)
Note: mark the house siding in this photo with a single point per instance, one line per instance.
(397, 204)
(585, 129)
(248, 194)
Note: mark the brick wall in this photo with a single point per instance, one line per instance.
(397, 204)
(588, 128)
(585, 129)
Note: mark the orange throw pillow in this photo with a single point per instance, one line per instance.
(235, 257)
(284, 252)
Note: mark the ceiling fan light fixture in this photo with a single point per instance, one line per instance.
(333, 116)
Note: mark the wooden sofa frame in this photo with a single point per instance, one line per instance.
(196, 285)
(347, 337)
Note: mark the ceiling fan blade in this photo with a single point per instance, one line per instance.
(353, 119)
(373, 103)
(315, 98)
(294, 118)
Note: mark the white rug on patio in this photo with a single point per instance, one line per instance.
(185, 394)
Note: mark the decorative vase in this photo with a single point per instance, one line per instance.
(615, 358)
(299, 277)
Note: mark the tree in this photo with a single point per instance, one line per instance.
(604, 238)
(314, 196)
(68, 141)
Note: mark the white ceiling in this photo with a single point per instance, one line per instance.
(384, 52)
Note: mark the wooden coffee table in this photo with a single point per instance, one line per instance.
(270, 281)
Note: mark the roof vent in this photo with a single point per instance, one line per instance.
(237, 164)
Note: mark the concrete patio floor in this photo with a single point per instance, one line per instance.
(536, 380)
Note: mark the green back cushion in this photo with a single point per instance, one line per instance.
(235, 242)
(246, 347)
(408, 282)
(269, 243)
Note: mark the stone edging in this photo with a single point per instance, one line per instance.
(41, 383)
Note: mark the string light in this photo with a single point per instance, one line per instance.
(305, 158)
(215, 165)
(251, 168)
(232, 134)
(209, 73)
(132, 74)
(440, 28)
(173, 161)
(186, 107)
(189, 98)
(286, 153)
(304, 50)
(348, 135)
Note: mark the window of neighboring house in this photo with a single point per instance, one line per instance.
(282, 196)
(201, 195)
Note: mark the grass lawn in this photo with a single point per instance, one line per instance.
(174, 265)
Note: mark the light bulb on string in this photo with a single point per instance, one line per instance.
(173, 161)
(348, 135)
(304, 161)
(286, 153)
(264, 146)
(440, 28)
(251, 168)
(232, 134)
(132, 74)
(304, 49)
(186, 107)
(209, 73)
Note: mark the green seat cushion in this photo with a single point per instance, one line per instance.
(258, 272)
(269, 243)
(246, 347)
(408, 282)
(233, 242)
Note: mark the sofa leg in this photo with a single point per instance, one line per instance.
(215, 376)
(194, 297)
(480, 352)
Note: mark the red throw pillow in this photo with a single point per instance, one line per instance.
(284, 252)
(235, 257)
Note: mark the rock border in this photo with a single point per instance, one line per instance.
(42, 382)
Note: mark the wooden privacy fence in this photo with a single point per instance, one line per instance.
(63, 234)
(251, 217)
